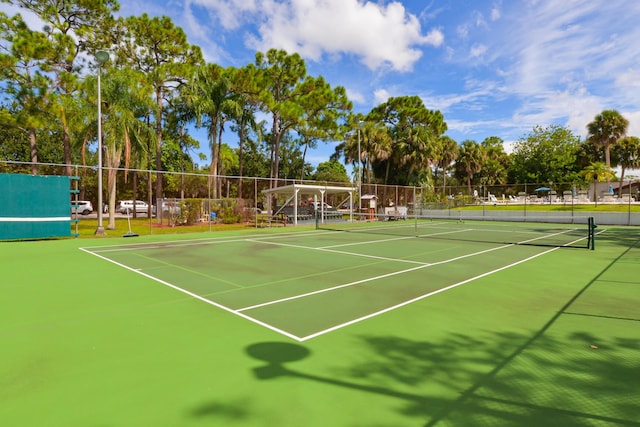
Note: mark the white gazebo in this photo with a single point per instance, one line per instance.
(295, 191)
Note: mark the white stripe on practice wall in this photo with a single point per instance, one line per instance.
(32, 219)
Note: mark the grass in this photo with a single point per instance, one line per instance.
(142, 226)
(559, 208)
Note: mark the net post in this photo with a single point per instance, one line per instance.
(415, 210)
(591, 243)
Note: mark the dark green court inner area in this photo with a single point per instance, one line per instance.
(307, 283)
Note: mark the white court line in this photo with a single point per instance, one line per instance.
(370, 279)
(191, 242)
(196, 296)
(311, 248)
(421, 297)
(301, 339)
(328, 248)
(411, 301)
(392, 239)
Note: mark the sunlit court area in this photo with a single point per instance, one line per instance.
(430, 322)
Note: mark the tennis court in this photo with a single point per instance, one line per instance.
(306, 284)
(432, 324)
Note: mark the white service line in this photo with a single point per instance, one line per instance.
(240, 313)
(311, 248)
(328, 248)
(192, 242)
(196, 296)
(402, 304)
(370, 279)
(393, 239)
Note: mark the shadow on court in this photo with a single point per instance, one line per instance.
(514, 392)
(276, 354)
(575, 370)
(556, 376)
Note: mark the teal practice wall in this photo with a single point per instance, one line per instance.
(34, 207)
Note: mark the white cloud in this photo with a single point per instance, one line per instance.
(434, 38)
(477, 50)
(634, 122)
(629, 78)
(382, 35)
(480, 21)
(495, 14)
(31, 19)
(508, 146)
(355, 96)
(230, 14)
(381, 95)
(462, 31)
(558, 62)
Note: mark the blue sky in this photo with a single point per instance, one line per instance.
(493, 67)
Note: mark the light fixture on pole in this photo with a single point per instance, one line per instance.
(101, 58)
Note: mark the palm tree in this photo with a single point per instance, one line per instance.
(605, 131)
(470, 159)
(376, 146)
(213, 103)
(597, 172)
(125, 99)
(627, 154)
(245, 91)
(447, 153)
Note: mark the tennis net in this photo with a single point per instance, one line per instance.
(552, 231)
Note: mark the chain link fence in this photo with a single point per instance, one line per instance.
(191, 198)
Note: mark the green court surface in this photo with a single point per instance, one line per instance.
(303, 327)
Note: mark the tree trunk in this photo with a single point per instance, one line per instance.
(444, 181)
(66, 143)
(275, 160)
(182, 162)
(134, 185)
(240, 153)
(220, 131)
(213, 167)
(34, 151)
(111, 185)
(304, 154)
(607, 159)
(159, 145)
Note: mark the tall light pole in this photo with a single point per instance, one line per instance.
(101, 58)
(359, 177)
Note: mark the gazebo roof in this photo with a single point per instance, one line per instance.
(309, 189)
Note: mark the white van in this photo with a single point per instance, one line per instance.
(128, 206)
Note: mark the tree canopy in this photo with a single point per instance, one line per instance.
(158, 90)
(545, 155)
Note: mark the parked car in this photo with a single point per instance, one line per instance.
(253, 211)
(171, 207)
(128, 206)
(83, 207)
(318, 205)
(346, 205)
